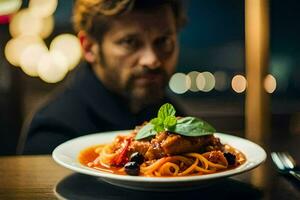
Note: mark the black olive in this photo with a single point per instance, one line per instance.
(230, 158)
(137, 157)
(132, 168)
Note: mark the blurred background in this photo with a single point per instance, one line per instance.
(210, 81)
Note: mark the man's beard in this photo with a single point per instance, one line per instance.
(147, 94)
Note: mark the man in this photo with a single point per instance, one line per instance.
(131, 49)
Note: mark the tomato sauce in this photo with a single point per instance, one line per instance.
(88, 155)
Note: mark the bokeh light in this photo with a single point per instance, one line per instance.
(15, 47)
(180, 83)
(270, 83)
(200, 81)
(25, 23)
(48, 26)
(9, 6)
(222, 82)
(27, 49)
(69, 45)
(193, 77)
(239, 83)
(205, 81)
(30, 57)
(43, 8)
(52, 67)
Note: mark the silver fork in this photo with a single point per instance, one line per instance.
(285, 163)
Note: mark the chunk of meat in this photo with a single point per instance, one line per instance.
(176, 144)
(139, 146)
(216, 157)
(166, 144)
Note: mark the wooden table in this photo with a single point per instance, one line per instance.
(39, 177)
(29, 177)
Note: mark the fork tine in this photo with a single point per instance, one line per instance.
(285, 157)
(282, 158)
(290, 158)
(277, 160)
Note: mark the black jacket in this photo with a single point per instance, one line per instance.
(84, 106)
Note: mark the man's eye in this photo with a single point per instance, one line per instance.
(130, 43)
(165, 44)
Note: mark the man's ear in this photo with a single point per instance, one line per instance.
(88, 46)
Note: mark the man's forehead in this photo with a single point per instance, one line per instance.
(161, 19)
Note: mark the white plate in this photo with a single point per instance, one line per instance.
(67, 153)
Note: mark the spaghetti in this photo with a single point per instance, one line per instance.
(113, 157)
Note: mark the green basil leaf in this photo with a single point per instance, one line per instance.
(146, 131)
(157, 121)
(165, 111)
(158, 124)
(159, 128)
(166, 120)
(191, 126)
(170, 122)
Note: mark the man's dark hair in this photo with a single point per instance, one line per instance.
(93, 16)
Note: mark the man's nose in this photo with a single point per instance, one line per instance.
(149, 58)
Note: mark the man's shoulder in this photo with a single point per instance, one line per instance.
(64, 108)
(62, 104)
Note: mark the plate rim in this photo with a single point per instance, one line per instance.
(247, 166)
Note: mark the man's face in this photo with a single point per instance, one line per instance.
(138, 54)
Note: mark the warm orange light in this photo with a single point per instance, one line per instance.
(270, 83)
(239, 83)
